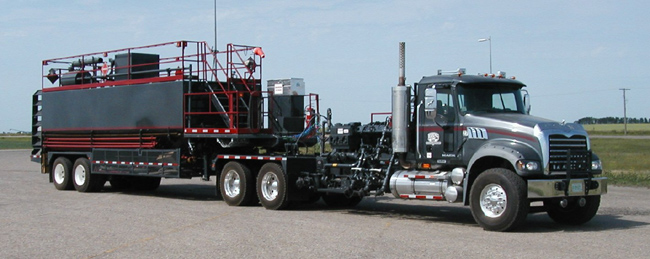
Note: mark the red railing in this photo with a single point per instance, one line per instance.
(177, 60)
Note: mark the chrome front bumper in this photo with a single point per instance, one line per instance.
(557, 187)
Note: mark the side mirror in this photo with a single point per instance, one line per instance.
(526, 102)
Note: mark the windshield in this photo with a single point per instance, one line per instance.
(489, 98)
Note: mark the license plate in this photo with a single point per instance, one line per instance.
(576, 187)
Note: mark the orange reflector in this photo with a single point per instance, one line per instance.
(426, 166)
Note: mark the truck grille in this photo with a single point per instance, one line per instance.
(559, 146)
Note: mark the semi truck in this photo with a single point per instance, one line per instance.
(181, 109)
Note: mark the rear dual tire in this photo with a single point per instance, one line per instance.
(237, 185)
(62, 174)
(84, 180)
(272, 187)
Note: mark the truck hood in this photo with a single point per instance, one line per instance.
(522, 123)
(516, 118)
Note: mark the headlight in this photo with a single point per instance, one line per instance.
(596, 165)
(527, 165)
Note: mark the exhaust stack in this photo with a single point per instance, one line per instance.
(402, 69)
(400, 107)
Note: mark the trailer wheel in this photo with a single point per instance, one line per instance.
(337, 200)
(272, 187)
(145, 183)
(498, 200)
(237, 184)
(84, 181)
(573, 213)
(62, 174)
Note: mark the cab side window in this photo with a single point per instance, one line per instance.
(445, 105)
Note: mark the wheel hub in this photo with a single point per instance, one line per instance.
(493, 200)
(231, 184)
(59, 173)
(270, 186)
(80, 175)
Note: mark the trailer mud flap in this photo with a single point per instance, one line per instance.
(149, 162)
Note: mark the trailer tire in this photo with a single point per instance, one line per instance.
(84, 181)
(337, 200)
(498, 200)
(144, 184)
(62, 174)
(573, 214)
(272, 187)
(237, 184)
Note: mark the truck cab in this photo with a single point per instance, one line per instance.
(477, 130)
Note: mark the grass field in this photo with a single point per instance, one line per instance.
(618, 129)
(626, 161)
(15, 142)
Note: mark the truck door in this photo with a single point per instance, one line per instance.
(438, 138)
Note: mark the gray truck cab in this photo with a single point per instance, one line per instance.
(481, 123)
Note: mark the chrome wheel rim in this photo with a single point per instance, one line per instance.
(231, 183)
(80, 175)
(493, 200)
(59, 173)
(269, 186)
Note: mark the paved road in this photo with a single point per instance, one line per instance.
(182, 219)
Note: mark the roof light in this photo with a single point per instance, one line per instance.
(501, 74)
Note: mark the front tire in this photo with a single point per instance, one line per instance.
(84, 181)
(62, 174)
(498, 200)
(237, 184)
(272, 187)
(573, 213)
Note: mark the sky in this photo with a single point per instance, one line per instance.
(574, 56)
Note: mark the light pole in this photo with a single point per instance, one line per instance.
(489, 39)
(624, 110)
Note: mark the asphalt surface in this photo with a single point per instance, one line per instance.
(182, 219)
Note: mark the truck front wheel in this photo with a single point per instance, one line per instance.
(272, 187)
(237, 184)
(576, 212)
(498, 200)
(62, 174)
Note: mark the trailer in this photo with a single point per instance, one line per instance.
(181, 110)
